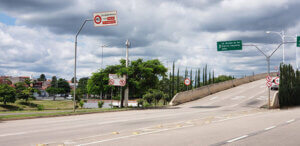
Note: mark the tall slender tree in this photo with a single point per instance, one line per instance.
(178, 82)
(173, 79)
(209, 78)
(185, 76)
(213, 77)
(199, 77)
(191, 75)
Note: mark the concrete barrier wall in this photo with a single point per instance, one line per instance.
(201, 92)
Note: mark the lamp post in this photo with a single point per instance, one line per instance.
(127, 88)
(282, 35)
(75, 62)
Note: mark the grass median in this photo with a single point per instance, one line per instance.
(40, 114)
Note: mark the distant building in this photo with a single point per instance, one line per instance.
(5, 80)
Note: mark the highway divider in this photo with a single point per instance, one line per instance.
(203, 91)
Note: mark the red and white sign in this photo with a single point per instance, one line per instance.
(187, 81)
(116, 80)
(269, 78)
(276, 80)
(105, 18)
(269, 84)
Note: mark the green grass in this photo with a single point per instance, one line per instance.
(32, 105)
(40, 114)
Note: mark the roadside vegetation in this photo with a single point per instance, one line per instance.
(289, 87)
(150, 84)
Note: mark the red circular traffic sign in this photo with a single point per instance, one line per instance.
(122, 82)
(269, 84)
(276, 80)
(111, 82)
(97, 19)
(269, 78)
(187, 81)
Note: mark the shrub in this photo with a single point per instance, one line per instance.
(100, 104)
(40, 107)
(81, 103)
(7, 94)
(140, 102)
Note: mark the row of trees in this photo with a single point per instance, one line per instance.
(146, 79)
(21, 90)
(60, 86)
(289, 86)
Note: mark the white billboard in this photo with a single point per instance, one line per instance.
(116, 80)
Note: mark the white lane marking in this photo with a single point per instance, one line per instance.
(215, 97)
(10, 134)
(262, 86)
(234, 105)
(270, 128)
(289, 121)
(238, 138)
(122, 137)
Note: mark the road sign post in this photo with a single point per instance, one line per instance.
(100, 19)
(298, 41)
(229, 45)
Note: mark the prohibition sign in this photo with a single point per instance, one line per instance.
(97, 19)
(269, 78)
(269, 84)
(277, 80)
(122, 82)
(187, 81)
(111, 82)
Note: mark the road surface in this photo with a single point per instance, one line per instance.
(230, 117)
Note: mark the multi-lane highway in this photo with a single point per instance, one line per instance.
(231, 117)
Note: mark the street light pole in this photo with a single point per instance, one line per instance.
(268, 57)
(75, 62)
(127, 88)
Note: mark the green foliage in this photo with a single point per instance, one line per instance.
(140, 102)
(42, 78)
(289, 86)
(82, 84)
(40, 107)
(81, 103)
(23, 91)
(222, 78)
(100, 104)
(52, 91)
(7, 94)
(153, 96)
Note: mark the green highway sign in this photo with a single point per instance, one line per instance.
(229, 45)
(298, 41)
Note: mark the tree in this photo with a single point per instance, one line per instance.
(173, 79)
(54, 81)
(82, 84)
(7, 94)
(178, 81)
(72, 80)
(63, 86)
(42, 78)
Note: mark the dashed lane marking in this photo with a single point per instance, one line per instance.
(289, 121)
(238, 138)
(270, 128)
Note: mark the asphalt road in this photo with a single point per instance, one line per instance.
(230, 117)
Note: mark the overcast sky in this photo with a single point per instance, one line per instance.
(37, 36)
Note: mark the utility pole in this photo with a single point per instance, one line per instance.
(127, 88)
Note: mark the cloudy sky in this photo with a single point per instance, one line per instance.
(38, 36)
